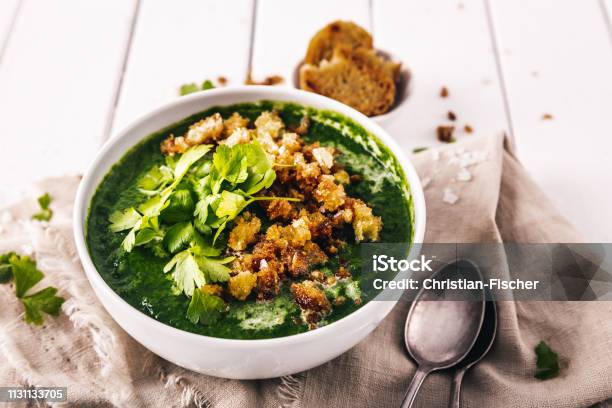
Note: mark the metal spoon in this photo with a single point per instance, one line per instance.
(439, 333)
(481, 347)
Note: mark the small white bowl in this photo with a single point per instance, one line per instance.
(229, 358)
(403, 87)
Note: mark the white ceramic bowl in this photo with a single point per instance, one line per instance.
(228, 358)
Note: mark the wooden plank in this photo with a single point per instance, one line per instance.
(8, 13)
(550, 68)
(444, 44)
(284, 28)
(57, 83)
(182, 42)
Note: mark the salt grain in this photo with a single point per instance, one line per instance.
(449, 196)
(435, 155)
(27, 250)
(6, 217)
(425, 181)
(464, 175)
(465, 159)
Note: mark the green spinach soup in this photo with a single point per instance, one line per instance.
(246, 221)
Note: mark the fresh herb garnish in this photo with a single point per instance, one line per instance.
(205, 308)
(192, 87)
(187, 89)
(419, 149)
(206, 85)
(188, 204)
(45, 212)
(26, 275)
(6, 269)
(547, 362)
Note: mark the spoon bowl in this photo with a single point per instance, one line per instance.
(443, 324)
(477, 352)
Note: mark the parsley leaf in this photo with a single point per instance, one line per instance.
(146, 235)
(45, 212)
(188, 158)
(25, 273)
(192, 87)
(230, 164)
(205, 308)
(41, 301)
(6, 269)
(259, 168)
(215, 269)
(186, 273)
(547, 362)
(154, 179)
(179, 236)
(123, 220)
(230, 205)
(180, 207)
(187, 89)
(206, 85)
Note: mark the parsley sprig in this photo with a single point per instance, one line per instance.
(26, 275)
(189, 202)
(548, 365)
(45, 212)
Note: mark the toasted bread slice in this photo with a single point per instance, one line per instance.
(358, 78)
(322, 45)
(369, 59)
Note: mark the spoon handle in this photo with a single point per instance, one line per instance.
(455, 401)
(414, 386)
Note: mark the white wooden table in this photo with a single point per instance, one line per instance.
(72, 72)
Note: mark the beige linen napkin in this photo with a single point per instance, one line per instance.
(475, 192)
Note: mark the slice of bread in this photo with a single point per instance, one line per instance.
(356, 77)
(321, 46)
(369, 59)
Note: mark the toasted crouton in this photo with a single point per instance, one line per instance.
(296, 234)
(312, 301)
(241, 285)
(245, 231)
(206, 130)
(329, 193)
(342, 177)
(173, 145)
(280, 209)
(234, 122)
(212, 289)
(365, 224)
(324, 156)
(269, 123)
(268, 281)
(240, 135)
(357, 78)
(321, 46)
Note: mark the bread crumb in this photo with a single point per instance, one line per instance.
(451, 115)
(445, 133)
(449, 196)
(222, 80)
(444, 92)
(547, 116)
(468, 129)
(269, 80)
